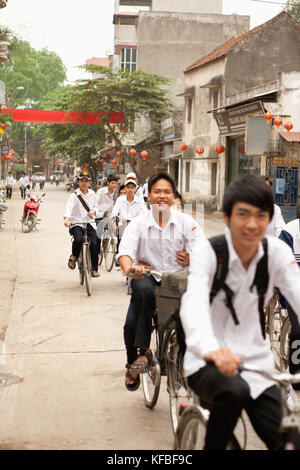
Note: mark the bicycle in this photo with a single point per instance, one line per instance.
(167, 357)
(84, 262)
(191, 429)
(277, 328)
(108, 249)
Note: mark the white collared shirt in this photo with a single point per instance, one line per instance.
(105, 201)
(207, 328)
(277, 223)
(10, 181)
(293, 227)
(144, 240)
(24, 181)
(75, 210)
(128, 210)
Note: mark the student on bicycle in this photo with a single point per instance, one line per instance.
(155, 239)
(105, 199)
(216, 342)
(81, 207)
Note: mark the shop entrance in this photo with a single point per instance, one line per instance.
(239, 163)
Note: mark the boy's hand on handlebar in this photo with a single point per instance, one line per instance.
(92, 213)
(225, 360)
(138, 269)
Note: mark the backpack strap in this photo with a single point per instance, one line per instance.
(261, 281)
(83, 202)
(219, 244)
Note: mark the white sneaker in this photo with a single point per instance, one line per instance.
(294, 400)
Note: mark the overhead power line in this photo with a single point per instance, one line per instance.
(277, 3)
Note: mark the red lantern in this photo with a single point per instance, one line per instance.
(144, 154)
(119, 154)
(3, 126)
(277, 122)
(200, 150)
(219, 149)
(123, 128)
(288, 126)
(114, 162)
(183, 147)
(268, 116)
(132, 152)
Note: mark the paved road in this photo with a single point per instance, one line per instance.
(62, 352)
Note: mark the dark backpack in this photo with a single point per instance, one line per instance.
(261, 280)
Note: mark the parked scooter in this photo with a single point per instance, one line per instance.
(31, 208)
(3, 207)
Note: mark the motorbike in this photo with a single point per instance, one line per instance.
(3, 207)
(70, 185)
(30, 212)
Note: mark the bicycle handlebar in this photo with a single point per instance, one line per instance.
(282, 378)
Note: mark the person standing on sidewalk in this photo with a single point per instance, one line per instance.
(77, 213)
(9, 183)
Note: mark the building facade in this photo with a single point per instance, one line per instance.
(227, 93)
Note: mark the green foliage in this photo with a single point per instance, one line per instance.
(136, 94)
(37, 72)
(293, 8)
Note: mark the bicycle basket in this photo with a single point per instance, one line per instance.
(168, 294)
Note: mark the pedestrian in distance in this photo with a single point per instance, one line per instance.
(152, 240)
(277, 223)
(24, 184)
(9, 183)
(226, 327)
(81, 208)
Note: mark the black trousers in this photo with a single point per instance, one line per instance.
(227, 397)
(8, 192)
(77, 233)
(138, 324)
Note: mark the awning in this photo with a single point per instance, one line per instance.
(172, 156)
(108, 149)
(290, 136)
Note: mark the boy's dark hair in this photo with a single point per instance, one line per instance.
(161, 176)
(251, 189)
(178, 196)
(121, 187)
(112, 178)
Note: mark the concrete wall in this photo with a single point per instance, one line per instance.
(191, 6)
(259, 58)
(170, 42)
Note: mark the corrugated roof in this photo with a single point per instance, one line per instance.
(98, 61)
(221, 51)
(290, 136)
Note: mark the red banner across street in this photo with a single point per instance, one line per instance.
(61, 117)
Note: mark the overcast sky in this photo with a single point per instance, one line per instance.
(80, 29)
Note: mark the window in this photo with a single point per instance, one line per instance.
(189, 110)
(215, 98)
(213, 179)
(187, 176)
(129, 59)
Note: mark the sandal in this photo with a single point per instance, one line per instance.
(141, 367)
(95, 274)
(132, 387)
(72, 263)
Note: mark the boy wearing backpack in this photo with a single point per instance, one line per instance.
(225, 326)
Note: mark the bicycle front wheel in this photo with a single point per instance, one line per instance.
(80, 268)
(87, 268)
(284, 344)
(151, 379)
(191, 430)
(179, 392)
(110, 253)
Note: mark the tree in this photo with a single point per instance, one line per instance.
(37, 72)
(293, 8)
(136, 94)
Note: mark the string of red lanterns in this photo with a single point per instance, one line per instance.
(278, 122)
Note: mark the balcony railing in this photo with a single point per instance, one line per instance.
(275, 146)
